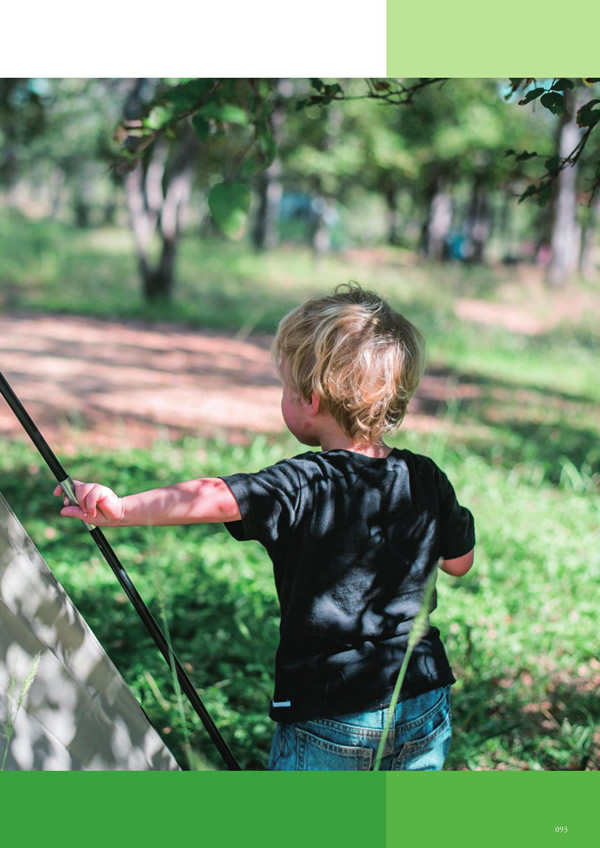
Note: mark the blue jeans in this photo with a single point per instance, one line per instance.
(418, 739)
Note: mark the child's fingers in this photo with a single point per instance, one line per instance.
(74, 512)
(98, 501)
(93, 502)
(89, 496)
(60, 491)
(81, 490)
(109, 504)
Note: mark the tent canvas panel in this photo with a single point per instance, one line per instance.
(78, 712)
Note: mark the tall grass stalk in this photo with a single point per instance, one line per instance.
(417, 631)
(189, 753)
(8, 725)
(177, 688)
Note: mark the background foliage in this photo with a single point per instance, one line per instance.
(418, 201)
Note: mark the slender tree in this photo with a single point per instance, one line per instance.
(565, 231)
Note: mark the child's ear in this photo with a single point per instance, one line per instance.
(315, 402)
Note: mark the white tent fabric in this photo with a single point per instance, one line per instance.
(63, 704)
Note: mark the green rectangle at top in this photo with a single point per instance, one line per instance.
(469, 38)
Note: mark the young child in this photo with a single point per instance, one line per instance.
(354, 532)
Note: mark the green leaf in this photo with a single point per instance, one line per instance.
(552, 164)
(515, 82)
(317, 84)
(544, 194)
(531, 95)
(563, 84)
(201, 126)
(554, 102)
(266, 143)
(264, 88)
(265, 151)
(227, 112)
(252, 165)
(189, 94)
(181, 99)
(529, 191)
(229, 204)
(158, 117)
(522, 157)
(587, 116)
(200, 87)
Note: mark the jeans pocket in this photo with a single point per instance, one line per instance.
(317, 754)
(427, 750)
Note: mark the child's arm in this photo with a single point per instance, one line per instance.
(458, 566)
(204, 501)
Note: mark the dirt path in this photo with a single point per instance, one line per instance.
(114, 384)
(125, 384)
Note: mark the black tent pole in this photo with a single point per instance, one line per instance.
(109, 555)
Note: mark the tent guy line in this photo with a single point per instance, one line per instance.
(111, 558)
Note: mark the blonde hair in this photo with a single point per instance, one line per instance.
(363, 359)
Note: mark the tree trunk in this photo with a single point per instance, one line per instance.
(81, 211)
(438, 221)
(322, 215)
(143, 223)
(393, 217)
(565, 235)
(265, 235)
(587, 266)
(157, 191)
(270, 190)
(56, 188)
(511, 252)
(478, 221)
(171, 219)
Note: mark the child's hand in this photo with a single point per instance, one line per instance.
(97, 504)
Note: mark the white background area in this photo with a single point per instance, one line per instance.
(262, 38)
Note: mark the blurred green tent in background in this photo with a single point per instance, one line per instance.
(435, 167)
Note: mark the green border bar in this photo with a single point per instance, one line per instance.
(492, 808)
(470, 38)
(273, 810)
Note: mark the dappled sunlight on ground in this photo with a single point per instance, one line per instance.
(114, 384)
(125, 384)
(541, 311)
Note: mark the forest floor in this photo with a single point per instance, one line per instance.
(111, 384)
(123, 384)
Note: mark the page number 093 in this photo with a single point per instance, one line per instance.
(560, 829)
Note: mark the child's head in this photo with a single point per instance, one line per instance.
(362, 359)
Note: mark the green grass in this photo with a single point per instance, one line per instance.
(516, 427)
(520, 628)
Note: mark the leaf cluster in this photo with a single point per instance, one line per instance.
(553, 98)
(213, 107)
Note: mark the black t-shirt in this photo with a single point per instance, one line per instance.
(353, 540)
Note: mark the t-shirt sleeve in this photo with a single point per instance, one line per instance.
(267, 503)
(457, 527)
